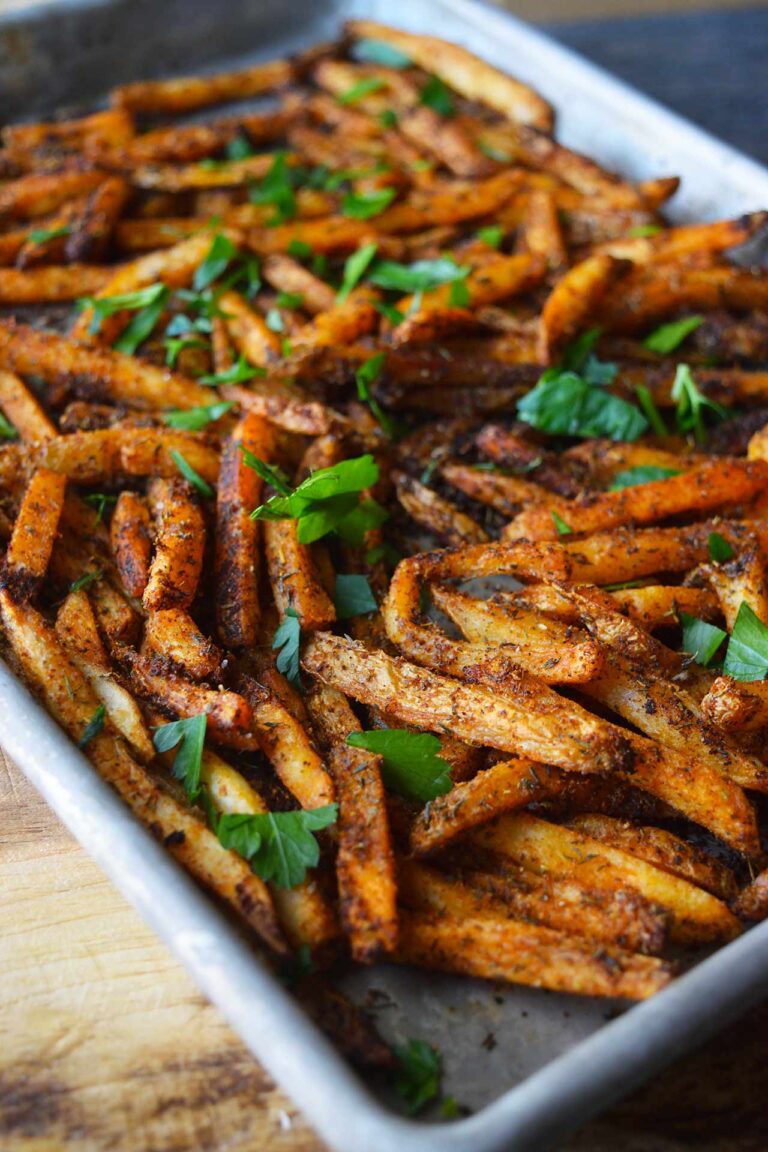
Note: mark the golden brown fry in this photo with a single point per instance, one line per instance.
(460, 69)
(238, 536)
(557, 653)
(658, 605)
(180, 534)
(40, 193)
(51, 284)
(740, 581)
(497, 278)
(504, 493)
(34, 533)
(662, 848)
(23, 410)
(436, 513)
(561, 734)
(540, 233)
(294, 577)
(498, 948)
(173, 634)
(501, 788)
(752, 903)
(77, 629)
(343, 324)
(229, 720)
(286, 744)
(621, 918)
(186, 93)
(649, 294)
(248, 330)
(288, 275)
(131, 538)
(365, 864)
(573, 302)
(697, 916)
(736, 707)
(92, 228)
(95, 373)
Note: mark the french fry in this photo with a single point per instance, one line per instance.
(658, 605)
(112, 126)
(650, 294)
(173, 634)
(573, 300)
(93, 228)
(288, 275)
(496, 278)
(522, 953)
(342, 324)
(436, 513)
(77, 629)
(472, 712)
(180, 533)
(51, 284)
(735, 707)
(294, 578)
(468, 74)
(37, 194)
(365, 864)
(697, 916)
(662, 848)
(23, 410)
(623, 918)
(228, 714)
(752, 903)
(286, 744)
(541, 234)
(34, 533)
(131, 539)
(186, 93)
(501, 788)
(740, 581)
(248, 330)
(95, 373)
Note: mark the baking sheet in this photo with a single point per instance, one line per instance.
(559, 1055)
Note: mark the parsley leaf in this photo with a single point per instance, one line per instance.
(644, 230)
(142, 325)
(650, 411)
(276, 189)
(746, 657)
(563, 403)
(84, 580)
(268, 472)
(353, 596)
(459, 296)
(220, 255)
(189, 734)
(379, 52)
(643, 474)
(366, 375)
(388, 118)
(579, 357)
(563, 529)
(389, 312)
(239, 373)
(286, 643)
(104, 306)
(193, 419)
(300, 249)
(421, 276)
(702, 640)
(43, 235)
(670, 336)
(189, 473)
(325, 500)
(274, 320)
(364, 205)
(7, 430)
(93, 727)
(279, 845)
(417, 1080)
(411, 765)
(691, 405)
(365, 87)
(719, 548)
(290, 300)
(494, 153)
(354, 269)
(239, 148)
(492, 236)
(437, 96)
(99, 501)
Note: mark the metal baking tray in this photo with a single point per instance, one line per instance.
(557, 1060)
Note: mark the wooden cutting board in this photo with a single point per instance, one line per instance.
(105, 1044)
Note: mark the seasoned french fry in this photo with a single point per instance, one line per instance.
(186, 93)
(173, 634)
(288, 275)
(752, 903)
(228, 714)
(40, 193)
(365, 864)
(437, 514)
(294, 577)
(51, 284)
(34, 533)
(522, 953)
(740, 581)
(573, 300)
(248, 330)
(561, 735)
(736, 707)
(131, 538)
(180, 533)
(697, 916)
(23, 410)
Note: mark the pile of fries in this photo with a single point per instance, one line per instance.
(285, 352)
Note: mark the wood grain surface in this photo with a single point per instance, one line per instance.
(106, 1045)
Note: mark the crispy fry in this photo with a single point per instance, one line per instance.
(437, 514)
(173, 634)
(180, 533)
(51, 284)
(294, 577)
(365, 864)
(248, 330)
(288, 275)
(34, 533)
(735, 707)
(697, 916)
(573, 301)
(229, 717)
(186, 93)
(23, 410)
(471, 712)
(130, 535)
(40, 193)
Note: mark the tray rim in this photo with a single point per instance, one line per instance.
(544, 1106)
